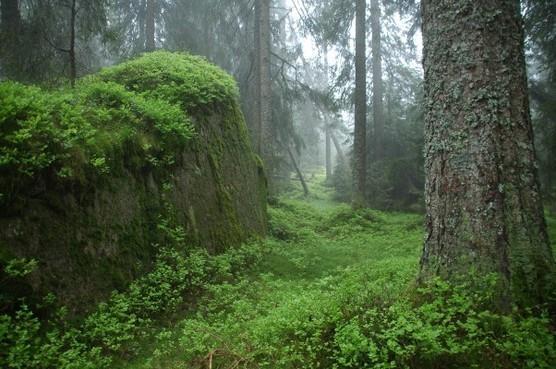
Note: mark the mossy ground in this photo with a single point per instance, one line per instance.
(335, 289)
(329, 288)
(316, 244)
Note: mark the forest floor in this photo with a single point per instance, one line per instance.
(319, 256)
(323, 268)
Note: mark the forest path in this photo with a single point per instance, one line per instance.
(319, 254)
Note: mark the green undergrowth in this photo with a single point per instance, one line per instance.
(330, 288)
(336, 289)
(114, 330)
(134, 115)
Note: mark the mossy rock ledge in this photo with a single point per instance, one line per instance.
(88, 175)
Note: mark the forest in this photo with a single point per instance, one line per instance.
(277, 184)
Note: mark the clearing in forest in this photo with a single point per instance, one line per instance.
(320, 255)
(335, 288)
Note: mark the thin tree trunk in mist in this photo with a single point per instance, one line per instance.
(257, 105)
(359, 142)
(71, 50)
(328, 149)
(378, 88)
(11, 17)
(264, 109)
(150, 15)
(484, 210)
(10, 30)
(299, 174)
(339, 151)
(328, 153)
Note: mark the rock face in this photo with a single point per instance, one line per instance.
(96, 233)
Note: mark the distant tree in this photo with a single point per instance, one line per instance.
(49, 39)
(377, 98)
(150, 22)
(80, 20)
(540, 18)
(71, 49)
(327, 127)
(484, 210)
(264, 92)
(359, 142)
(10, 32)
(136, 24)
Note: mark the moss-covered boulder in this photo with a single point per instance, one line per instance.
(90, 177)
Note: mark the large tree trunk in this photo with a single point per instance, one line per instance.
(359, 142)
(484, 210)
(150, 18)
(378, 108)
(263, 80)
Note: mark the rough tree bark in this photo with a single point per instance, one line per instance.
(150, 15)
(484, 211)
(378, 88)
(359, 142)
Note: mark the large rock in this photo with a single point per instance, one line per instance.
(93, 226)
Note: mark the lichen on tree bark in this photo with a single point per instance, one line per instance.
(484, 210)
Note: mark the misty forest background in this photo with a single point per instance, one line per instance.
(312, 75)
(341, 138)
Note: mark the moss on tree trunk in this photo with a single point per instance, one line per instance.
(484, 210)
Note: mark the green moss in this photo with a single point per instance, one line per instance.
(161, 135)
(176, 77)
(130, 115)
(92, 131)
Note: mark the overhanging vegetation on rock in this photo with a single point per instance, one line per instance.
(86, 173)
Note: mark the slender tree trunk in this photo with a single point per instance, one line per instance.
(71, 50)
(264, 82)
(484, 210)
(359, 143)
(339, 151)
(10, 31)
(150, 16)
(378, 88)
(327, 148)
(141, 25)
(328, 152)
(11, 17)
(299, 174)
(257, 132)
